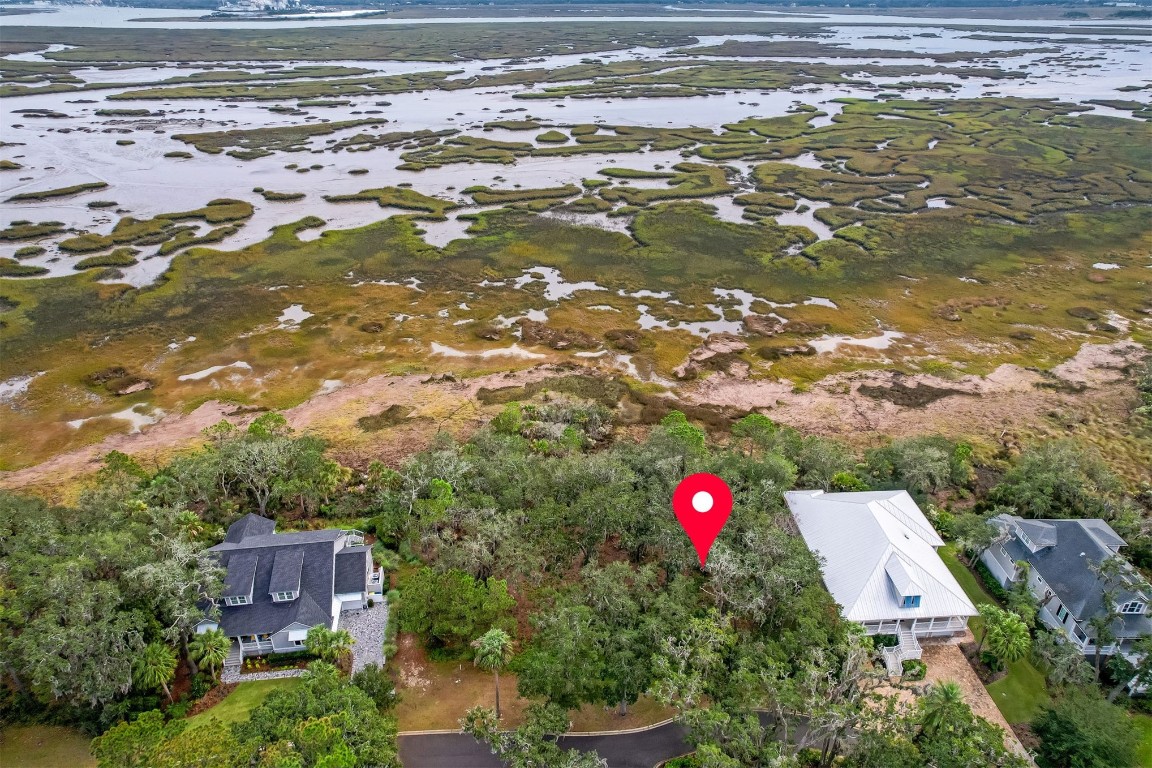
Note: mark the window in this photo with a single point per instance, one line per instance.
(281, 597)
(237, 600)
(1062, 614)
(1132, 606)
(298, 643)
(911, 601)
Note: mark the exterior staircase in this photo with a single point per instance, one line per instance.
(895, 656)
(235, 657)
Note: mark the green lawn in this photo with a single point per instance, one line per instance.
(1022, 692)
(243, 700)
(44, 746)
(1144, 752)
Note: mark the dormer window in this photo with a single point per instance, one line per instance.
(237, 600)
(1133, 606)
(1024, 538)
(911, 601)
(284, 597)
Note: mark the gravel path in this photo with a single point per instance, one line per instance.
(367, 627)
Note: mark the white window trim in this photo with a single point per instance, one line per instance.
(1133, 606)
(284, 597)
(235, 600)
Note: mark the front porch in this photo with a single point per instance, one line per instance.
(937, 625)
(908, 632)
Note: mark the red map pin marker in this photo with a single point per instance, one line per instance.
(702, 503)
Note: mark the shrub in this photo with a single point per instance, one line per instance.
(914, 669)
(991, 582)
(201, 684)
(885, 641)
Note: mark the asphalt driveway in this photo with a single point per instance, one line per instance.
(642, 749)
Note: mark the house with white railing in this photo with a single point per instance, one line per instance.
(277, 586)
(877, 552)
(1062, 561)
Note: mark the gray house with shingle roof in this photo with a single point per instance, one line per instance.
(277, 586)
(1061, 555)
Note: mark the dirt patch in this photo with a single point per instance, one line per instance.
(434, 695)
(212, 698)
(986, 674)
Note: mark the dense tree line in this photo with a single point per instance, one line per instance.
(543, 545)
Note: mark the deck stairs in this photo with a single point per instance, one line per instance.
(895, 656)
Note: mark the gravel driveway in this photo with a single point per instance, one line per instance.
(367, 627)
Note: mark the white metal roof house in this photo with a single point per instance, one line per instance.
(1062, 555)
(277, 586)
(878, 555)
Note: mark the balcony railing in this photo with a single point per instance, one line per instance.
(354, 537)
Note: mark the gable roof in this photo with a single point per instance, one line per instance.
(873, 545)
(1066, 565)
(241, 574)
(286, 570)
(249, 525)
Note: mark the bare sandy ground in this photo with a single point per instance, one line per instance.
(993, 405)
(1004, 400)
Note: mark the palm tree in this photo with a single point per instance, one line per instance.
(329, 644)
(990, 614)
(155, 667)
(211, 647)
(493, 652)
(938, 707)
(1008, 638)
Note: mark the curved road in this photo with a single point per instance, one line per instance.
(640, 749)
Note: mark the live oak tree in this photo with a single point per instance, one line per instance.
(89, 587)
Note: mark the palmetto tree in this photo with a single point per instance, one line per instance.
(1008, 638)
(211, 648)
(493, 652)
(939, 706)
(155, 667)
(329, 644)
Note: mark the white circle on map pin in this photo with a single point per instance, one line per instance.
(702, 501)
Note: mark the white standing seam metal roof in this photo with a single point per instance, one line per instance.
(876, 545)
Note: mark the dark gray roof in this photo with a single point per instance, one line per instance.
(263, 616)
(241, 574)
(286, 570)
(351, 569)
(1065, 569)
(1042, 534)
(1104, 533)
(262, 541)
(249, 525)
